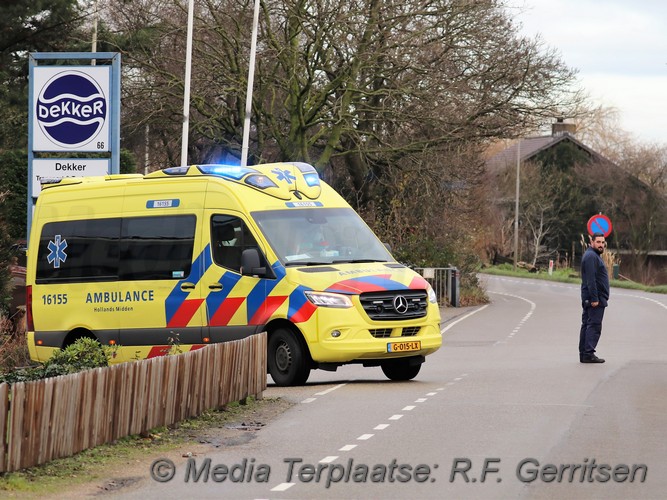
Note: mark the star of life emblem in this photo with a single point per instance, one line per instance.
(283, 175)
(57, 251)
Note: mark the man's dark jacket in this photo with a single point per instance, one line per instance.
(594, 278)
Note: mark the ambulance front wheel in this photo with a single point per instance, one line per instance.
(401, 369)
(288, 362)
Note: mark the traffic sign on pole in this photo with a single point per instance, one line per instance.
(599, 224)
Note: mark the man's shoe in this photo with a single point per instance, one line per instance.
(591, 359)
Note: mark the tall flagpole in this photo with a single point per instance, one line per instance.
(251, 78)
(186, 93)
(93, 46)
(516, 203)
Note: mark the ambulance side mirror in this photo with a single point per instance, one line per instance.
(250, 263)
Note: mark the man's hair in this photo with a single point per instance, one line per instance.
(597, 235)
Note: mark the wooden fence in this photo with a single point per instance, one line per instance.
(61, 416)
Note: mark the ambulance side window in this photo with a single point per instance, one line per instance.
(155, 248)
(229, 237)
(80, 250)
(133, 248)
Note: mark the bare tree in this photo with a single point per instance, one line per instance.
(647, 162)
(634, 190)
(371, 81)
(601, 130)
(538, 216)
(391, 101)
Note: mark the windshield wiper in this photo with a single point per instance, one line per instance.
(356, 261)
(308, 263)
(330, 262)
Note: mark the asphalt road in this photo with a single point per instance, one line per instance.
(503, 410)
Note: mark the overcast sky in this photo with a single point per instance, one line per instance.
(619, 48)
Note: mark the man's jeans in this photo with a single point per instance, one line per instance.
(591, 328)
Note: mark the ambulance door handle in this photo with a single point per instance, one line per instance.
(215, 286)
(187, 286)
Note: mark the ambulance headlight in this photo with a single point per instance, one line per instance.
(432, 297)
(326, 299)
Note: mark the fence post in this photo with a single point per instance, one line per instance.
(455, 287)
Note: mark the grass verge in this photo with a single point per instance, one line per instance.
(565, 276)
(127, 455)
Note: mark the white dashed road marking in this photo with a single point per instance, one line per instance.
(322, 393)
(463, 317)
(366, 437)
(533, 306)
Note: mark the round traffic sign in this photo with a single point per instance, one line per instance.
(599, 224)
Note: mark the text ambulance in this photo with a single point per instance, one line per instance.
(210, 253)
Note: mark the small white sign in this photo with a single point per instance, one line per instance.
(429, 273)
(57, 168)
(163, 203)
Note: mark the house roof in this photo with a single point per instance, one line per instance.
(531, 146)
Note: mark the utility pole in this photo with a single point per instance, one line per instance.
(516, 203)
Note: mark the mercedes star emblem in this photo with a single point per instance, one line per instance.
(401, 304)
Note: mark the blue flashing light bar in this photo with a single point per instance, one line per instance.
(312, 179)
(309, 172)
(175, 170)
(260, 181)
(303, 167)
(234, 172)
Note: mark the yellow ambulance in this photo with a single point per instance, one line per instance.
(192, 255)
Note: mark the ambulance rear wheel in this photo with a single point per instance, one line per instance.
(288, 363)
(401, 369)
(75, 335)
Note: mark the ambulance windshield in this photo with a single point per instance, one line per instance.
(311, 236)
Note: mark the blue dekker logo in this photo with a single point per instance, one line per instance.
(57, 251)
(71, 109)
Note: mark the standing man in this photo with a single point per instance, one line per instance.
(594, 296)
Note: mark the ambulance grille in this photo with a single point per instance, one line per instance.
(381, 333)
(384, 333)
(410, 331)
(395, 304)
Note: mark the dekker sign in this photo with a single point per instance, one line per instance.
(71, 108)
